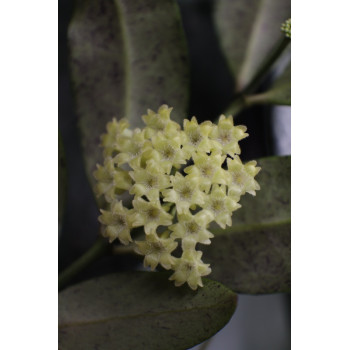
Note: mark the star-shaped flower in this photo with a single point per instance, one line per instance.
(225, 136)
(167, 152)
(220, 206)
(159, 121)
(191, 231)
(115, 130)
(241, 177)
(111, 180)
(118, 222)
(190, 268)
(131, 149)
(207, 170)
(185, 193)
(150, 215)
(149, 181)
(196, 136)
(156, 251)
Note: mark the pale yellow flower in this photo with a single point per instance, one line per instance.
(118, 222)
(167, 152)
(220, 206)
(196, 136)
(131, 149)
(241, 177)
(190, 268)
(185, 193)
(207, 170)
(149, 181)
(111, 180)
(190, 230)
(159, 121)
(150, 163)
(156, 251)
(226, 136)
(115, 130)
(150, 215)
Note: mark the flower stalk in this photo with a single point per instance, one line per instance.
(99, 249)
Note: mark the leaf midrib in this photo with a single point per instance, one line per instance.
(251, 227)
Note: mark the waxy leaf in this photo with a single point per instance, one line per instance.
(248, 31)
(141, 310)
(253, 256)
(126, 56)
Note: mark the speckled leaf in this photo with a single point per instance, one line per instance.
(62, 183)
(141, 310)
(126, 56)
(248, 30)
(253, 256)
(279, 93)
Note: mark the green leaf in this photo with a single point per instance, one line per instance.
(126, 56)
(62, 182)
(141, 310)
(248, 31)
(253, 256)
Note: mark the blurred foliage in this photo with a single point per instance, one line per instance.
(248, 31)
(126, 56)
(253, 256)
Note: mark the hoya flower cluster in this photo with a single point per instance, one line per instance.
(181, 180)
(286, 28)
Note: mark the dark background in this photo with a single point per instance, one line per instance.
(211, 91)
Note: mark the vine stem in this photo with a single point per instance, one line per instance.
(243, 98)
(244, 102)
(266, 65)
(99, 248)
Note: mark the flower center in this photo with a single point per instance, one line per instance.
(152, 182)
(238, 179)
(188, 267)
(157, 247)
(195, 137)
(153, 213)
(225, 137)
(135, 150)
(217, 205)
(207, 170)
(168, 152)
(192, 227)
(186, 193)
(119, 220)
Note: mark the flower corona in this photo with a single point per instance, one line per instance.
(180, 180)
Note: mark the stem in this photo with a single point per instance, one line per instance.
(123, 250)
(243, 100)
(266, 65)
(98, 249)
